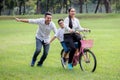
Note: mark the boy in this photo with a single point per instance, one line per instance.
(60, 36)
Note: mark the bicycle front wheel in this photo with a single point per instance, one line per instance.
(87, 61)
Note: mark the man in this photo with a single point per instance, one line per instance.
(45, 26)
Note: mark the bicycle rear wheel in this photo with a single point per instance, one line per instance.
(63, 61)
(87, 61)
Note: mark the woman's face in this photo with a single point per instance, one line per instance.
(72, 12)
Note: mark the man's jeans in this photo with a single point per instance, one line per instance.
(39, 45)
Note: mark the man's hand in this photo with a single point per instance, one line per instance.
(22, 20)
(17, 19)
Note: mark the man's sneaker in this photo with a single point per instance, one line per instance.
(39, 65)
(32, 63)
(63, 62)
(70, 67)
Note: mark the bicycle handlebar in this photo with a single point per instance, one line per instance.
(84, 33)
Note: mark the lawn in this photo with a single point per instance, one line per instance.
(17, 44)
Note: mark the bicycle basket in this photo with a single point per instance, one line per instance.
(86, 43)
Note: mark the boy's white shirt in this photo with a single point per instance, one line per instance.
(43, 31)
(61, 31)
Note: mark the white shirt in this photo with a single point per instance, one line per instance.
(75, 23)
(60, 33)
(43, 31)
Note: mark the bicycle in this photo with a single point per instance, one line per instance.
(85, 57)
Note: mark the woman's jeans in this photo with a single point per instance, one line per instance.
(39, 45)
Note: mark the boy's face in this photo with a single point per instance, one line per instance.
(61, 23)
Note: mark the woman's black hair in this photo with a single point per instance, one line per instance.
(70, 20)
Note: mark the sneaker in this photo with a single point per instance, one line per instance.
(39, 65)
(32, 63)
(70, 67)
(63, 62)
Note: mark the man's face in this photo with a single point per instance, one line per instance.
(48, 19)
(61, 23)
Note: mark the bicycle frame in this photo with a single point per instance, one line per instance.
(85, 44)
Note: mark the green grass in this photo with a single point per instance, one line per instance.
(17, 44)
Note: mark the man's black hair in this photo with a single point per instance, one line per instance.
(60, 20)
(48, 13)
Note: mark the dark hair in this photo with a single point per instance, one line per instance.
(70, 9)
(48, 13)
(60, 20)
(70, 21)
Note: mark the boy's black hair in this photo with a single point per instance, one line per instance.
(60, 20)
(48, 13)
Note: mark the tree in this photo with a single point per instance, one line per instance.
(81, 7)
(1, 6)
(117, 5)
(10, 5)
(22, 3)
(107, 5)
(38, 7)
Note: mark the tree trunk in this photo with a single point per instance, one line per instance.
(38, 6)
(86, 6)
(80, 2)
(61, 5)
(70, 2)
(97, 6)
(24, 10)
(66, 5)
(1, 6)
(47, 5)
(20, 6)
(107, 6)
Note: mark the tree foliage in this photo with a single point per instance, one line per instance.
(54, 6)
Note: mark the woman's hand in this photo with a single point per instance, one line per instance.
(87, 30)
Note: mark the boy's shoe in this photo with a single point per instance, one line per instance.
(63, 62)
(32, 63)
(70, 67)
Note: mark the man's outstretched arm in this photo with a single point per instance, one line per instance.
(22, 20)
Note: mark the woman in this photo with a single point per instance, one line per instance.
(72, 22)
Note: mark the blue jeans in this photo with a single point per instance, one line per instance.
(39, 45)
(64, 47)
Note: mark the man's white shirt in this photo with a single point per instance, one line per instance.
(43, 31)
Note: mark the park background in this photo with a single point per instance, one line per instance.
(17, 39)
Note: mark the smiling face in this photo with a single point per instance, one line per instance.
(61, 23)
(72, 12)
(48, 19)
